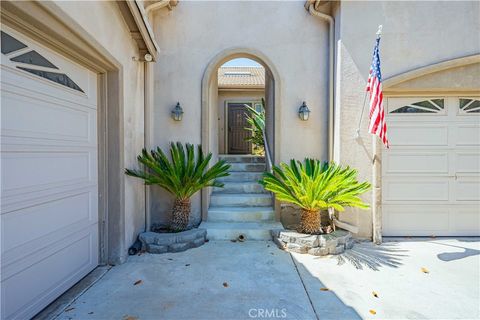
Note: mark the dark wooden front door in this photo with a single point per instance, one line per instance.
(237, 122)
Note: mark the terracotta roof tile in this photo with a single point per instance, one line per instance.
(241, 77)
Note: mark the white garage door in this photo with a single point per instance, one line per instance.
(431, 174)
(49, 219)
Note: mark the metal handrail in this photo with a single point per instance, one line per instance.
(267, 152)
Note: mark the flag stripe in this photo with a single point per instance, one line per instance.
(377, 124)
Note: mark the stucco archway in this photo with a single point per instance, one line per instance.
(209, 106)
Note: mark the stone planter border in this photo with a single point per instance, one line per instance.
(318, 245)
(154, 242)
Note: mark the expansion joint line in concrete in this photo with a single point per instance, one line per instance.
(304, 287)
(81, 292)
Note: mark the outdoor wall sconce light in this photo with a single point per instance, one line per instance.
(303, 112)
(177, 112)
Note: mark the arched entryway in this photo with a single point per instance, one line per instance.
(210, 141)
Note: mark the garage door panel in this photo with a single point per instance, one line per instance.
(467, 162)
(27, 172)
(60, 123)
(467, 190)
(415, 163)
(468, 135)
(415, 189)
(47, 222)
(29, 288)
(415, 220)
(467, 220)
(418, 135)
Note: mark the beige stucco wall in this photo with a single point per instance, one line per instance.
(102, 21)
(232, 96)
(456, 79)
(193, 33)
(415, 34)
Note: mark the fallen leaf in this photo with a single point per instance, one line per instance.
(425, 270)
(170, 259)
(375, 294)
(324, 289)
(233, 240)
(69, 309)
(129, 318)
(268, 246)
(372, 311)
(187, 264)
(137, 282)
(225, 285)
(90, 312)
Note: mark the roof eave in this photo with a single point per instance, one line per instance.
(139, 27)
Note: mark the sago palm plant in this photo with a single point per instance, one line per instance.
(184, 174)
(314, 186)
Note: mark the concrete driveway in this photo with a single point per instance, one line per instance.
(256, 280)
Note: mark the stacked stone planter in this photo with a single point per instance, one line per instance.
(318, 245)
(154, 242)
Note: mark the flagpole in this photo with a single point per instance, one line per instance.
(376, 184)
(357, 135)
(361, 116)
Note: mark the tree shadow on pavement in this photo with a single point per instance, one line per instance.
(451, 256)
(369, 255)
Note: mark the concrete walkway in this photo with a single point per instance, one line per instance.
(412, 278)
(254, 280)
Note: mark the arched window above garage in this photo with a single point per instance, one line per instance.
(469, 105)
(26, 59)
(424, 106)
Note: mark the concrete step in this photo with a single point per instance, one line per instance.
(242, 176)
(240, 214)
(246, 166)
(231, 158)
(241, 200)
(240, 187)
(232, 230)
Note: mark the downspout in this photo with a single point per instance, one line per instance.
(148, 104)
(331, 52)
(148, 101)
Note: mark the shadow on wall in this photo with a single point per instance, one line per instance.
(367, 254)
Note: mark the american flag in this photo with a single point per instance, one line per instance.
(377, 124)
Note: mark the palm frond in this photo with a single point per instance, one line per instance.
(256, 124)
(314, 185)
(184, 174)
